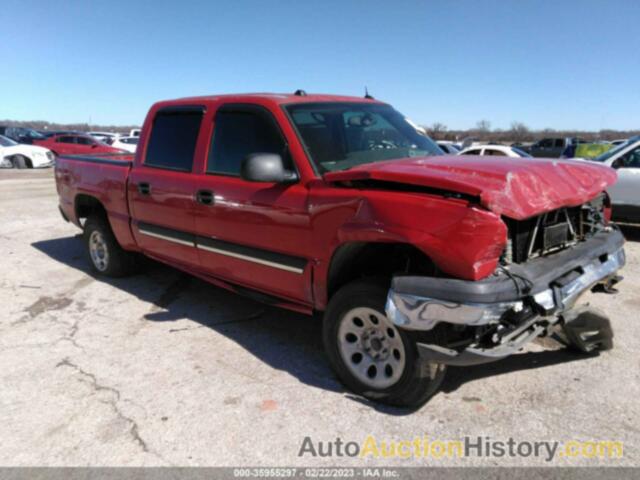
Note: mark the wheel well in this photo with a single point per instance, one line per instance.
(86, 205)
(27, 160)
(383, 260)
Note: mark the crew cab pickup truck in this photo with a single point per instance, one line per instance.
(552, 147)
(341, 206)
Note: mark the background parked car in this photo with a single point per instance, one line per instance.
(551, 147)
(105, 137)
(76, 144)
(625, 193)
(587, 150)
(21, 134)
(51, 133)
(17, 155)
(135, 132)
(496, 151)
(448, 147)
(126, 143)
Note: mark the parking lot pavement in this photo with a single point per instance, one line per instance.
(161, 368)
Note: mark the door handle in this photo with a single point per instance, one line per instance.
(144, 188)
(205, 197)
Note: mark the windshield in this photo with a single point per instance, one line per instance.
(610, 153)
(522, 153)
(7, 142)
(33, 134)
(339, 136)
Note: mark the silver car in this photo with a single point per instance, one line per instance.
(625, 194)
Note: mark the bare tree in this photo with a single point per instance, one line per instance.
(437, 129)
(519, 131)
(483, 126)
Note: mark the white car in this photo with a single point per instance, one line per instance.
(625, 193)
(135, 132)
(496, 151)
(105, 137)
(18, 155)
(126, 143)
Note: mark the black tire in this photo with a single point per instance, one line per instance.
(20, 162)
(117, 262)
(419, 379)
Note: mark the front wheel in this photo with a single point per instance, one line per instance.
(370, 355)
(20, 162)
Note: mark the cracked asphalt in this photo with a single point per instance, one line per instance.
(163, 369)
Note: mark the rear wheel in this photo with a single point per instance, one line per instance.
(370, 355)
(106, 256)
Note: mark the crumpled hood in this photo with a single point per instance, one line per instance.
(517, 188)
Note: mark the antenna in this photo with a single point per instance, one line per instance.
(366, 93)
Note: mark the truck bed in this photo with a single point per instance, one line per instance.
(103, 176)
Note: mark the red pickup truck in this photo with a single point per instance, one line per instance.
(340, 205)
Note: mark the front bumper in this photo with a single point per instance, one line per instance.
(546, 286)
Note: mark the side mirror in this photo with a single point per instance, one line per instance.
(266, 167)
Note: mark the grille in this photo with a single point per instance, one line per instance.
(553, 231)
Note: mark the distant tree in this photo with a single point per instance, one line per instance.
(437, 130)
(483, 126)
(519, 131)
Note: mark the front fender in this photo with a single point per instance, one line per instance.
(463, 240)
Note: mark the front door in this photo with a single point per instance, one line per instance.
(253, 234)
(161, 187)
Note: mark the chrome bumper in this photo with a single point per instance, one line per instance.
(418, 312)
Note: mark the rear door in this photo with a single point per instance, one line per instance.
(543, 148)
(66, 145)
(253, 234)
(558, 147)
(161, 186)
(85, 145)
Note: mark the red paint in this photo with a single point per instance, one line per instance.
(314, 217)
(517, 189)
(92, 147)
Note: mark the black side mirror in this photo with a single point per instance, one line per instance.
(266, 167)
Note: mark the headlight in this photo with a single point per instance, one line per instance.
(50, 155)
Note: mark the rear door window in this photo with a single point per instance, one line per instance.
(174, 135)
(495, 153)
(84, 141)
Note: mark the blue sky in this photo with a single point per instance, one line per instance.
(549, 64)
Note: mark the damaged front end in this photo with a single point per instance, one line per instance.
(550, 262)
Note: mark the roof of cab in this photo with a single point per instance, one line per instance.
(276, 98)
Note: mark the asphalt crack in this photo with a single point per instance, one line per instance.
(134, 429)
